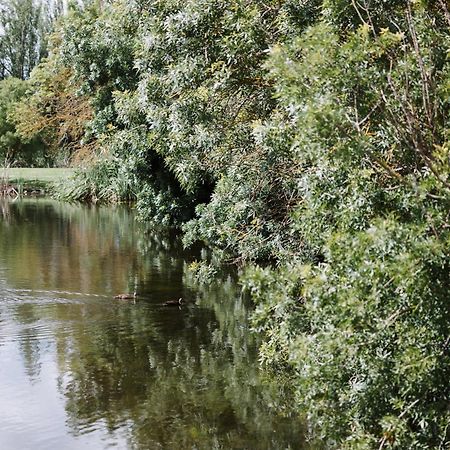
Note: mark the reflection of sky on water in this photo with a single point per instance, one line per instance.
(22, 400)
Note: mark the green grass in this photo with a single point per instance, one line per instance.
(36, 174)
(34, 179)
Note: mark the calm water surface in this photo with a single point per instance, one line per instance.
(81, 370)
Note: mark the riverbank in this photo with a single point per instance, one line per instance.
(27, 181)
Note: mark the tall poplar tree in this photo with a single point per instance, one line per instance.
(23, 26)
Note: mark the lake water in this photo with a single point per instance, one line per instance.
(82, 370)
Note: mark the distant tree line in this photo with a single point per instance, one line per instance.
(24, 29)
(26, 26)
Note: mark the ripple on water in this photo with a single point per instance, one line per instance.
(40, 296)
(19, 324)
(18, 332)
(31, 315)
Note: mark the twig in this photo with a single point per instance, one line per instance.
(423, 73)
(446, 11)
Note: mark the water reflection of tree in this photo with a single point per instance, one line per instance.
(5, 213)
(193, 384)
(29, 345)
(68, 245)
(176, 378)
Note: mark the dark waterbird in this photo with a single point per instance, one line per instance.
(178, 302)
(126, 296)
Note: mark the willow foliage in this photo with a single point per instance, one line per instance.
(365, 331)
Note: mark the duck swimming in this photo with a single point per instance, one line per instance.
(178, 302)
(126, 296)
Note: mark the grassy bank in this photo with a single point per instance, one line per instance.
(34, 179)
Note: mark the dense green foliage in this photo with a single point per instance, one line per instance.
(313, 135)
(14, 149)
(366, 330)
(24, 28)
